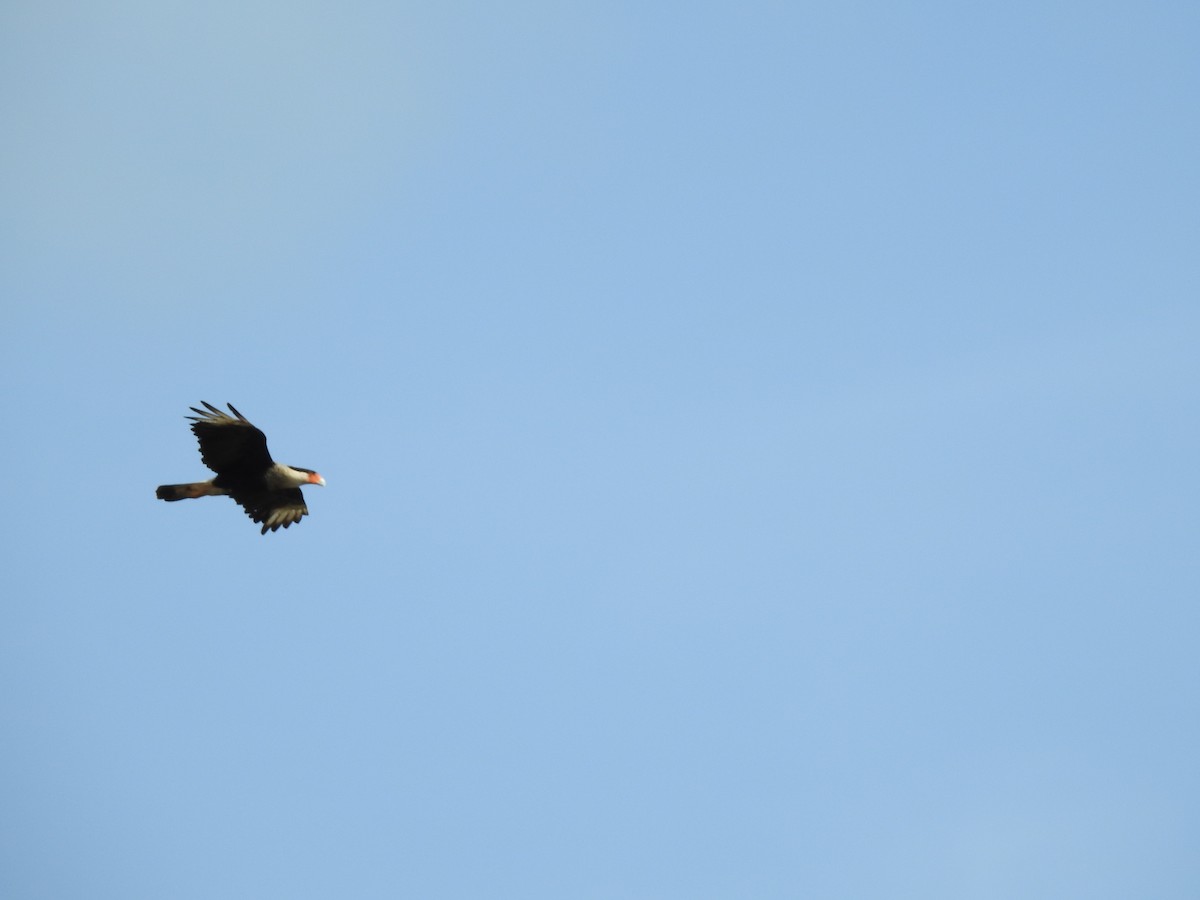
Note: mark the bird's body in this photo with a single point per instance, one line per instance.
(237, 452)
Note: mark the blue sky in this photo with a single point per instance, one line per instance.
(761, 444)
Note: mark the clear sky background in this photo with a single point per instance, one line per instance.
(761, 440)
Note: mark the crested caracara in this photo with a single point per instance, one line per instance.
(237, 452)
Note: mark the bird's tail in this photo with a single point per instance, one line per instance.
(186, 491)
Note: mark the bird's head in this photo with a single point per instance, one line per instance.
(305, 476)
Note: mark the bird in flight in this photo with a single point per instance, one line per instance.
(237, 452)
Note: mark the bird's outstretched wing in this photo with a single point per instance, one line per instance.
(273, 509)
(229, 445)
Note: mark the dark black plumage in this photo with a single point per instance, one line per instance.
(237, 452)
